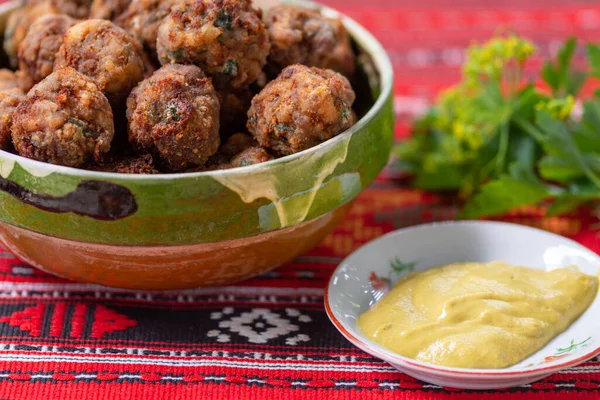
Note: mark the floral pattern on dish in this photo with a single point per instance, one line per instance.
(562, 352)
(382, 284)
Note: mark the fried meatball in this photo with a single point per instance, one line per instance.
(9, 101)
(303, 36)
(142, 19)
(108, 9)
(18, 24)
(107, 54)
(38, 49)
(237, 143)
(234, 106)
(8, 79)
(217, 159)
(303, 107)
(225, 38)
(215, 167)
(250, 156)
(234, 145)
(79, 9)
(174, 115)
(128, 165)
(214, 163)
(65, 119)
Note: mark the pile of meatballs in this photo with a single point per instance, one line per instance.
(162, 86)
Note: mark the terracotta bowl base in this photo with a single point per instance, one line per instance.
(168, 267)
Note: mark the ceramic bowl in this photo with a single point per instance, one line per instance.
(363, 278)
(174, 231)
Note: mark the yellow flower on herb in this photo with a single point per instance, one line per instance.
(458, 129)
(558, 108)
(567, 107)
(511, 45)
(488, 60)
(474, 139)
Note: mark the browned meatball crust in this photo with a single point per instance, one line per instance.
(128, 165)
(237, 143)
(216, 162)
(251, 156)
(233, 146)
(107, 54)
(65, 119)
(303, 107)
(79, 9)
(18, 24)
(108, 9)
(142, 19)
(234, 106)
(8, 79)
(239, 150)
(38, 49)
(225, 38)
(174, 115)
(9, 101)
(303, 36)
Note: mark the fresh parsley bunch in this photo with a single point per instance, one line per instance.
(504, 143)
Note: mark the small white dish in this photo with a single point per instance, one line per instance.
(363, 277)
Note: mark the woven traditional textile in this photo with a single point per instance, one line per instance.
(269, 338)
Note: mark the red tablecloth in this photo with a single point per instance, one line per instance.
(269, 338)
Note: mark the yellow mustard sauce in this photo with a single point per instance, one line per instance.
(473, 315)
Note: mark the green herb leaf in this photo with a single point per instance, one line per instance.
(521, 187)
(503, 195)
(559, 142)
(565, 55)
(524, 104)
(491, 120)
(577, 192)
(558, 75)
(558, 169)
(224, 20)
(503, 149)
(593, 53)
(283, 128)
(587, 134)
(523, 149)
(555, 168)
(230, 68)
(176, 55)
(564, 204)
(575, 82)
(551, 76)
(172, 113)
(82, 127)
(445, 177)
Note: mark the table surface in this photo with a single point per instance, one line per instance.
(269, 338)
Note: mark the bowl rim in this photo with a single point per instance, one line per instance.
(397, 359)
(360, 34)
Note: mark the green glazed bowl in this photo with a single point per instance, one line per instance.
(174, 231)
